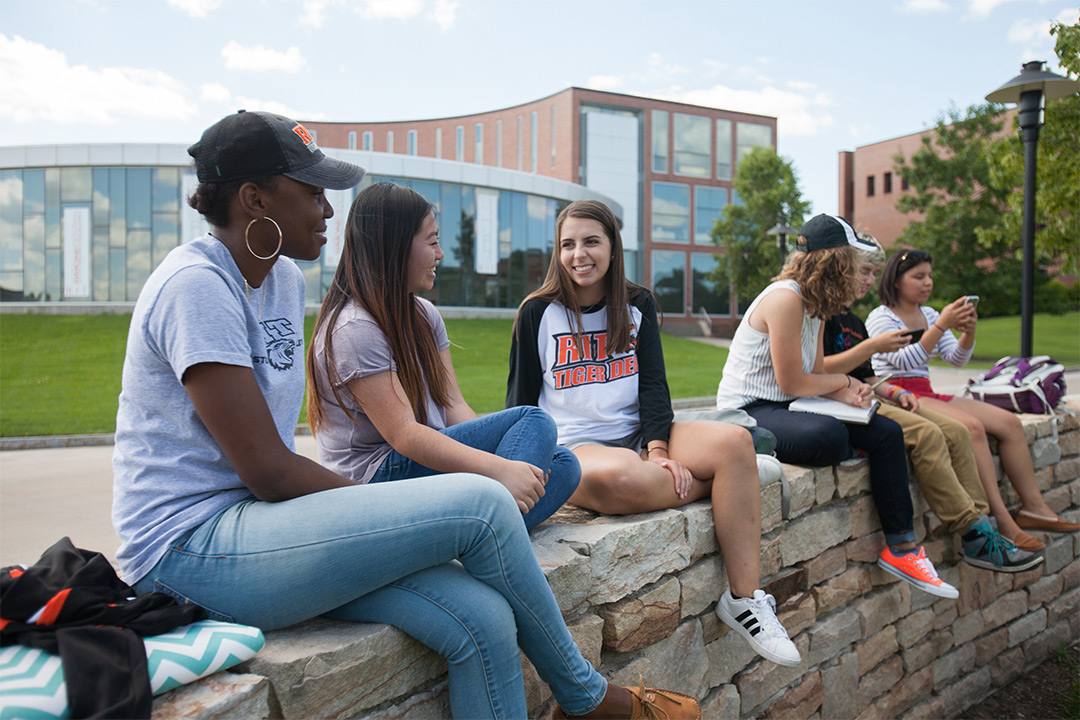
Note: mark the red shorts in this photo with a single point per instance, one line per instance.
(921, 387)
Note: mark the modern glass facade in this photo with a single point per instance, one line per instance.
(92, 234)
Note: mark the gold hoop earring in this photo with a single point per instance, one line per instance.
(247, 240)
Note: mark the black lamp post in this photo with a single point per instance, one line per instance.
(1028, 90)
(781, 230)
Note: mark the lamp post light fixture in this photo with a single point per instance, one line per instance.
(1028, 90)
(781, 230)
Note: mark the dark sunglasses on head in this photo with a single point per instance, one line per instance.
(917, 256)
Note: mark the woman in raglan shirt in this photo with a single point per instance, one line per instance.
(586, 348)
(383, 397)
(214, 507)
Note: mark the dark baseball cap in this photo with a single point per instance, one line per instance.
(828, 231)
(249, 145)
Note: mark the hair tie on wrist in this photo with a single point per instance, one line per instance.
(848, 382)
(939, 328)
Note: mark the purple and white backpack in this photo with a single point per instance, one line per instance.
(1023, 385)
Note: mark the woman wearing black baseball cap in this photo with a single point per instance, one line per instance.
(214, 507)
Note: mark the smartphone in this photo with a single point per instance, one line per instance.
(915, 334)
(971, 300)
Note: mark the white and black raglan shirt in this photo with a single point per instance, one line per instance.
(590, 393)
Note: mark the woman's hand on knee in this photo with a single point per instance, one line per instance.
(680, 475)
(524, 481)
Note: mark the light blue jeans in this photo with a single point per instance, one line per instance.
(522, 433)
(385, 553)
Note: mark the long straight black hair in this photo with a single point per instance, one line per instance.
(373, 271)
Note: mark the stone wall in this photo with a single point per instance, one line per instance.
(638, 594)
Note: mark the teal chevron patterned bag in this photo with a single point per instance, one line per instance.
(32, 681)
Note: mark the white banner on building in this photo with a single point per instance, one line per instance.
(77, 251)
(487, 232)
(340, 200)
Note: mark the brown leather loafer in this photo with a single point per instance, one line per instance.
(1031, 521)
(648, 704)
(1026, 542)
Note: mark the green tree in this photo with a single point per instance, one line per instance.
(769, 193)
(1057, 199)
(953, 178)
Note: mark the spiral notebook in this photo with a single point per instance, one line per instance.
(835, 408)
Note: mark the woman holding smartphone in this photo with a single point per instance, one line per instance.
(904, 288)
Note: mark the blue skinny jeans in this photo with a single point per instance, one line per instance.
(521, 433)
(386, 553)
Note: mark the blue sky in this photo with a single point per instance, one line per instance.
(836, 74)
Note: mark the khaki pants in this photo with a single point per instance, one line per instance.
(944, 463)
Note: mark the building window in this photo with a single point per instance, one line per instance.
(438, 143)
(389, 141)
(670, 212)
(314, 135)
(708, 293)
(869, 186)
(692, 142)
(498, 143)
(669, 280)
(535, 133)
(749, 136)
(709, 203)
(478, 143)
(552, 137)
(659, 141)
(886, 186)
(410, 140)
(459, 153)
(519, 144)
(723, 149)
(904, 183)
(366, 140)
(352, 139)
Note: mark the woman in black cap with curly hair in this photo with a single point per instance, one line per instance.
(214, 507)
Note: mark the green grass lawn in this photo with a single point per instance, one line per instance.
(60, 374)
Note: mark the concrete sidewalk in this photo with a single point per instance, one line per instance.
(48, 493)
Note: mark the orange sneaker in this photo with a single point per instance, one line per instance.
(917, 569)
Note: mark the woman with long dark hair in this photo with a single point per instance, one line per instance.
(383, 398)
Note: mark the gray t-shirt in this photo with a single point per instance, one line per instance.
(356, 449)
(169, 473)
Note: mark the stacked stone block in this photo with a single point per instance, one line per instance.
(638, 594)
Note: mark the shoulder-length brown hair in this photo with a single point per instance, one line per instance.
(900, 262)
(828, 279)
(373, 271)
(618, 291)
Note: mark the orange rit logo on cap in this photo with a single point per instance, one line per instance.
(304, 135)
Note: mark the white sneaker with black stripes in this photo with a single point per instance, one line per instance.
(755, 619)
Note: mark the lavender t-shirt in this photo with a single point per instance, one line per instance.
(356, 449)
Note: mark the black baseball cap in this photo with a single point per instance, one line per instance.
(249, 145)
(828, 231)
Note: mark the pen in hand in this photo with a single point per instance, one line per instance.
(881, 380)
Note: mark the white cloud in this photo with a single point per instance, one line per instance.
(444, 13)
(923, 6)
(797, 113)
(982, 8)
(312, 11)
(37, 84)
(604, 82)
(1024, 30)
(214, 93)
(248, 103)
(392, 9)
(259, 58)
(196, 8)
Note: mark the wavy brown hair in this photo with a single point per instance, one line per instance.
(618, 291)
(373, 272)
(828, 279)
